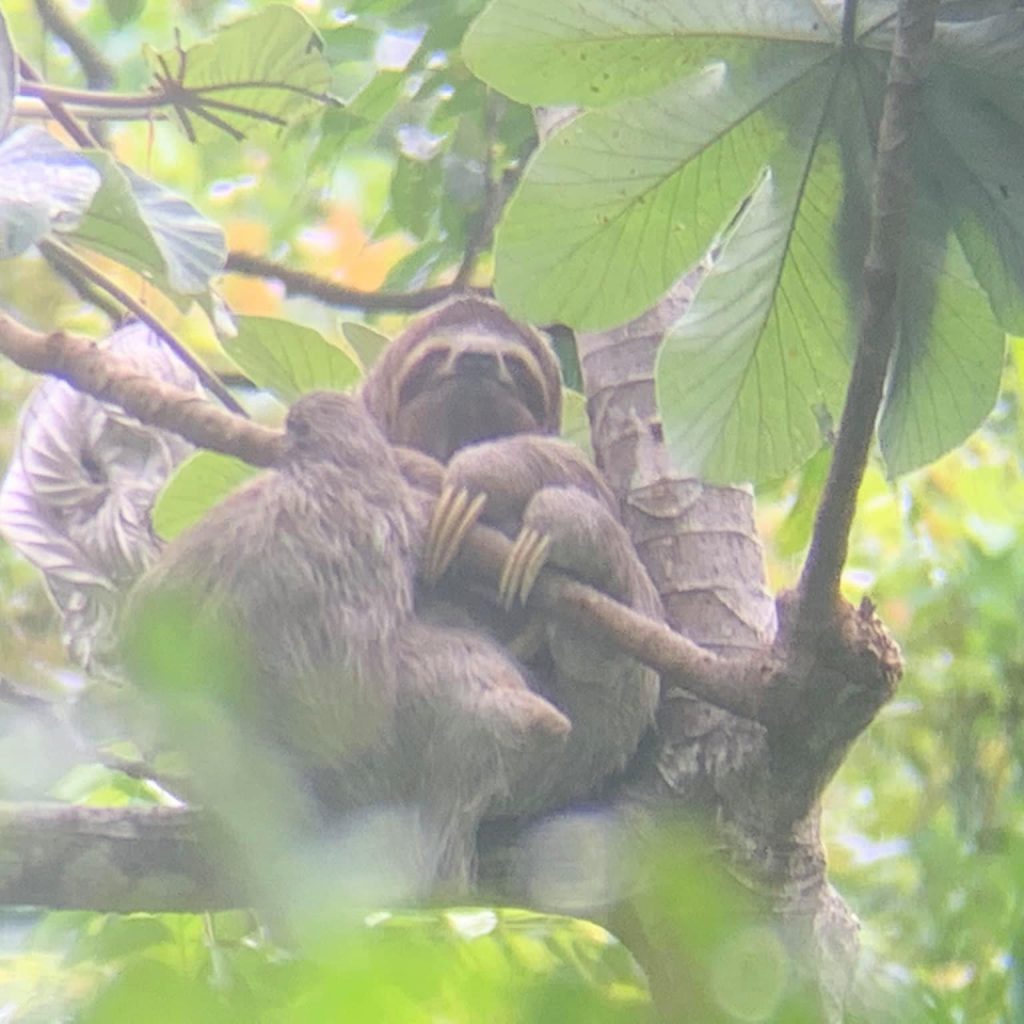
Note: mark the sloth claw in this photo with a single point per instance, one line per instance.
(454, 516)
(524, 563)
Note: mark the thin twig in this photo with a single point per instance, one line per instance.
(58, 111)
(98, 72)
(62, 253)
(298, 282)
(891, 203)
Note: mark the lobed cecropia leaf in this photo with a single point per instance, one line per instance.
(263, 70)
(701, 107)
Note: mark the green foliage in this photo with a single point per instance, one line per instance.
(288, 360)
(709, 109)
(196, 486)
(144, 226)
(466, 964)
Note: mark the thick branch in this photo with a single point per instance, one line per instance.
(891, 203)
(111, 378)
(111, 859)
(298, 282)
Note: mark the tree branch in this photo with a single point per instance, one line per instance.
(110, 378)
(298, 282)
(112, 859)
(877, 332)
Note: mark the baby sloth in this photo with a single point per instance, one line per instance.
(311, 568)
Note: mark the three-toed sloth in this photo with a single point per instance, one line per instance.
(381, 682)
(482, 394)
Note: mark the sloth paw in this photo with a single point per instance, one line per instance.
(523, 565)
(455, 514)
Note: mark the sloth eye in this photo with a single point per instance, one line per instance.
(528, 387)
(422, 373)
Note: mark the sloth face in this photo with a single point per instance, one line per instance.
(455, 391)
(461, 374)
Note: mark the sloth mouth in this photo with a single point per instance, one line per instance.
(460, 410)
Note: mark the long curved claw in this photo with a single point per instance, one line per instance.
(455, 514)
(523, 565)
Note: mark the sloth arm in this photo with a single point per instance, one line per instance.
(545, 494)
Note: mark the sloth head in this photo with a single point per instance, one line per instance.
(327, 426)
(461, 373)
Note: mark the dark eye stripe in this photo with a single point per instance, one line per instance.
(421, 374)
(529, 388)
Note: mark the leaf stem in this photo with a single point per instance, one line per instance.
(878, 324)
(299, 282)
(78, 132)
(62, 254)
(93, 98)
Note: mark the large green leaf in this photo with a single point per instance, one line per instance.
(616, 206)
(288, 359)
(198, 484)
(597, 51)
(150, 229)
(946, 373)
(265, 69)
(753, 374)
(620, 202)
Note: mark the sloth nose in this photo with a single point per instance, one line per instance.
(478, 364)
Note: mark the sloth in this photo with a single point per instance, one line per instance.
(377, 677)
(480, 393)
(310, 567)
